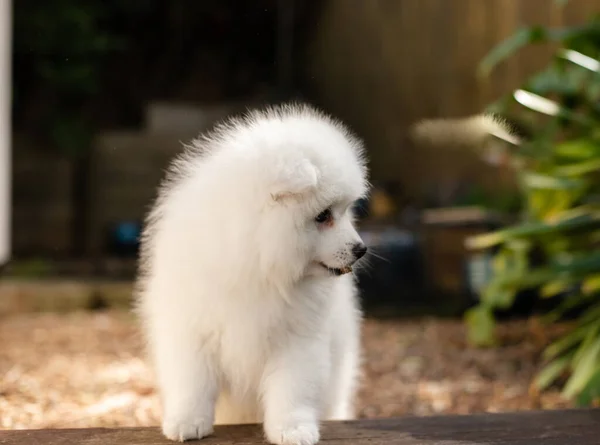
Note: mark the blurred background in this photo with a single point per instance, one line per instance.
(483, 294)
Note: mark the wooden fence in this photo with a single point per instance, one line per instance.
(378, 64)
(384, 64)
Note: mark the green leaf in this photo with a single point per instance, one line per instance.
(569, 269)
(578, 148)
(584, 369)
(538, 202)
(531, 229)
(544, 181)
(566, 342)
(581, 263)
(481, 326)
(510, 46)
(568, 303)
(499, 297)
(552, 371)
(579, 211)
(579, 169)
(574, 37)
(591, 337)
(558, 80)
(554, 287)
(559, 171)
(531, 278)
(592, 315)
(591, 392)
(548, 107)
(570, 36)
(591, 284)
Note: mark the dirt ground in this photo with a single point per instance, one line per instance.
(85, 369)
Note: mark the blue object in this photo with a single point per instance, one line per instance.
(127, 233)
(124, 238)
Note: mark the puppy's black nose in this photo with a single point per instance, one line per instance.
(359, 250)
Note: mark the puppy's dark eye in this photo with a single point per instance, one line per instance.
(324, 216)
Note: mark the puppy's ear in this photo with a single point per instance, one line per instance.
(298, 180)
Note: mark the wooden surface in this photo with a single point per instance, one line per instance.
(574, 427)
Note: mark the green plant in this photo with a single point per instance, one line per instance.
(507, 202)
(31, 269)
(60, 49)
(559, 177)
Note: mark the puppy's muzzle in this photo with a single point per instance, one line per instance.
(359, 250)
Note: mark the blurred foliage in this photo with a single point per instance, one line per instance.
(60, 47)
(555, 249)
(31, 269)
(78, 65)
(83, 66)
(507, 202)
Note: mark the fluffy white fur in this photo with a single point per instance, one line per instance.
(244, 322)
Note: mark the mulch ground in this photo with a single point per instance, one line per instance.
(86, 370)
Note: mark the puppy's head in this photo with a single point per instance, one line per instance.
(271, 196)
(337, 244)
(318, 173)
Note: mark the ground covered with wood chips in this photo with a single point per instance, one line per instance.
(86, 369)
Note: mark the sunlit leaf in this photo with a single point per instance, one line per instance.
(499, 297)
(552, 371)
(545, 181)
(554, 287)
(481, 326)
(584, 369)
(555, 249)
(591, 284)
(531, 229)
(591, 391)
(580, 168)
(590, 339)
(566, 342)
(578, 148)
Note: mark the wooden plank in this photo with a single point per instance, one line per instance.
(571, 427)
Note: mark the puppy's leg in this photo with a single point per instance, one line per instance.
(293, 390)
(342, 384)
(345, 365)
(187, 382)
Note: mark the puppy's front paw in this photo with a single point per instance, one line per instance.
(306, 433)
(181, 431)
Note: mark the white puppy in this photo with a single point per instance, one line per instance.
(245, 289)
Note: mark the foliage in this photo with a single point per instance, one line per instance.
(82, 66)
(60, 47)
(31, 269)
(506, 202)
(555, 248)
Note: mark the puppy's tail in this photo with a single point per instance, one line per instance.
(471, 132)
